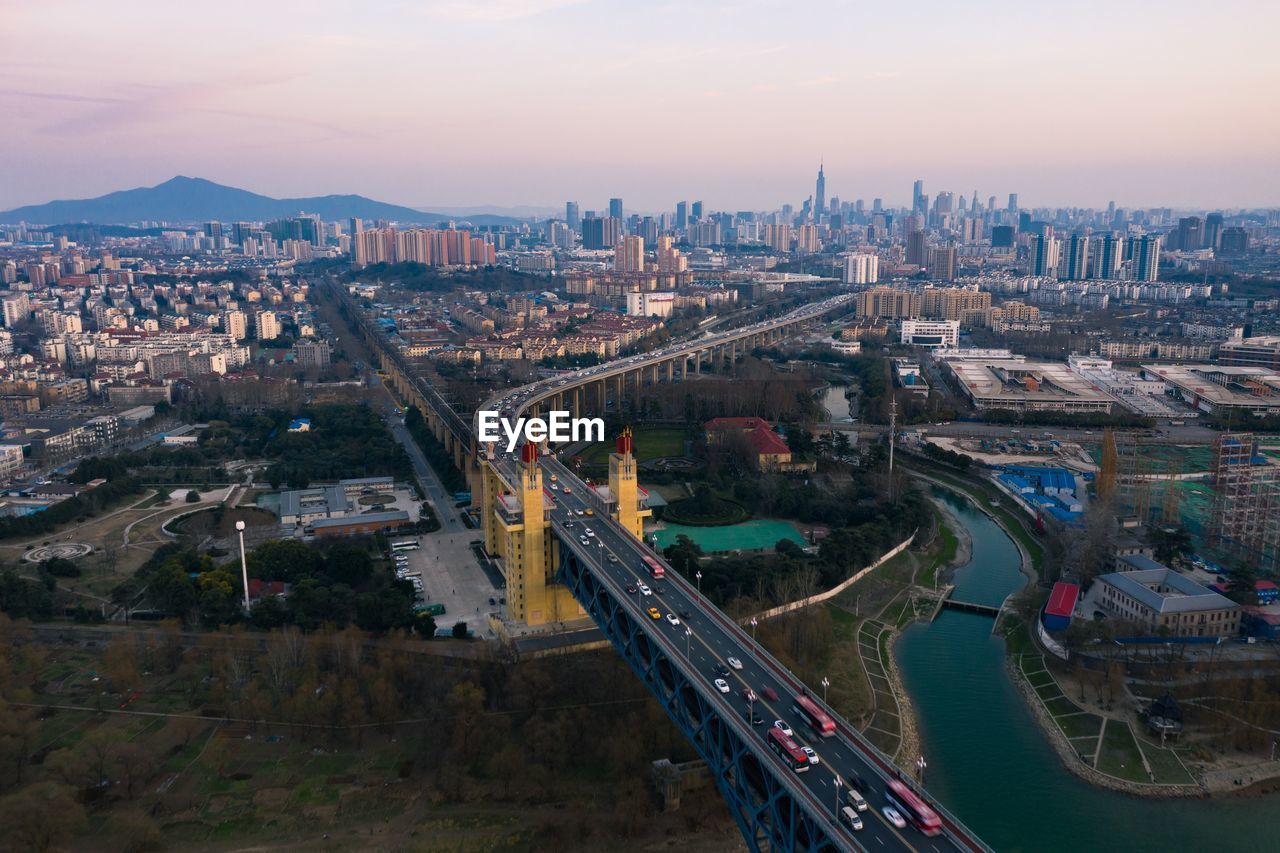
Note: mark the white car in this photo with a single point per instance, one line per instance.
(891, 814)
(644, 589)
(673, 619)
(722, 685)
(734, 662)
(577, 512)
(781, 726)
(589, 532)
(811, 755)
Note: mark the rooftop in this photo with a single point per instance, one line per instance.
(1165, 591)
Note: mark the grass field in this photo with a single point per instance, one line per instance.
(649, 443)
(757, 534)
(1120, 756)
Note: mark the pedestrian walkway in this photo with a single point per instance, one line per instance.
(885, 727)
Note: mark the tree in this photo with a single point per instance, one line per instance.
(193, 497)
(40, 817)
(1242, 579)
(1170, 544)
(136, 831)
(460, 630)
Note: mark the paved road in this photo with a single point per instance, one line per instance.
(706, 638)
(436, 494)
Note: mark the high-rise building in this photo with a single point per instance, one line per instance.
(820, 193)
(1234, 243)
(1074, 263)
(682, 215)
(213, 230)
(1002, 236)
(1190, 234)
(267, 325)
(889, 302)
(572, 215)
(1213, 231)
(1145, 255)
(695, 211)
(918, 202)
(17, 307)
(1108, 253)
(1044, 255)
(235, 324)
(942, 263)
(601, 232)
(628, 255)
(615, 208)
(916, 247)
(861, 269)
(877, 205)
(778, 237)
(1013, 203)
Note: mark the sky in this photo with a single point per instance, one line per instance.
(534, 102)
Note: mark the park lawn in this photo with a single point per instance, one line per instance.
(1079, 725)
(1060, 706)
(648, 443)
(1165, 766)
(1040, 679)
(1120, 756)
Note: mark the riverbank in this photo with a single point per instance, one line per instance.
(1105, 749)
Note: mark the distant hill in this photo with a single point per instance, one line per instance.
(184, 199)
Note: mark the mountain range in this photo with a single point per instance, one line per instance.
(183, 199)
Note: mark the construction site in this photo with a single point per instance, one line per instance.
(1227, 496)
(1246, 512)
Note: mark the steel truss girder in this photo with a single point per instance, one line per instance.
(767, 813)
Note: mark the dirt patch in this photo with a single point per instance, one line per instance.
(271, 797)
(220, 522)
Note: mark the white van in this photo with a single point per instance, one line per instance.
(850, 818)
(856, 800)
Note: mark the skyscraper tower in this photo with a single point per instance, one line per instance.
(917, 197)
(682, 215)
(615, 208)
(1013, 202)
(820, 193)
(572, 217)
(1076, 260)
(1044, 255)
(1146, 257)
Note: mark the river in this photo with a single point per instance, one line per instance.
(990, 763)
(836, 404)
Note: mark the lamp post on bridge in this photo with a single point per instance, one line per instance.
(698, 576)
(837, 775)
(688, 643)
(244, 565)
(825, 685)
(754, 623)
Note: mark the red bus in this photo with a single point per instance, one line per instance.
(788, 750)
(817, 718)
(655, 568)
(912, 808)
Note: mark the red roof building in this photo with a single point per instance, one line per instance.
(772, 452)
(1062, 603)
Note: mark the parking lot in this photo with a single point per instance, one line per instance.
(451, 575)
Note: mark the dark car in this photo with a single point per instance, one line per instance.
(770, 694)
(684, 614)
(631, 589)
(859, 784)
(753, 719)
(722, 671)
(660, 589)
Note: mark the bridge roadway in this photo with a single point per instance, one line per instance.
(712, 637)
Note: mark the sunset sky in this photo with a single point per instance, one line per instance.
(531, 102)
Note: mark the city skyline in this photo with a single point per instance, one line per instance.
(965, 101)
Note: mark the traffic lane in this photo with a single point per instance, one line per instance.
(838, 756)
(717, 647)
(623, 573)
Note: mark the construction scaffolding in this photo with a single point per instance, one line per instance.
(1246, 507)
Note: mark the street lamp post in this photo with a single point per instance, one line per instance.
(244, 565)
(753, 628)
(698, 575)
(920, 766)
(837, 794)
(688, 642)
(825, 685)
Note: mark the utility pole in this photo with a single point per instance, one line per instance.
(244, 566)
